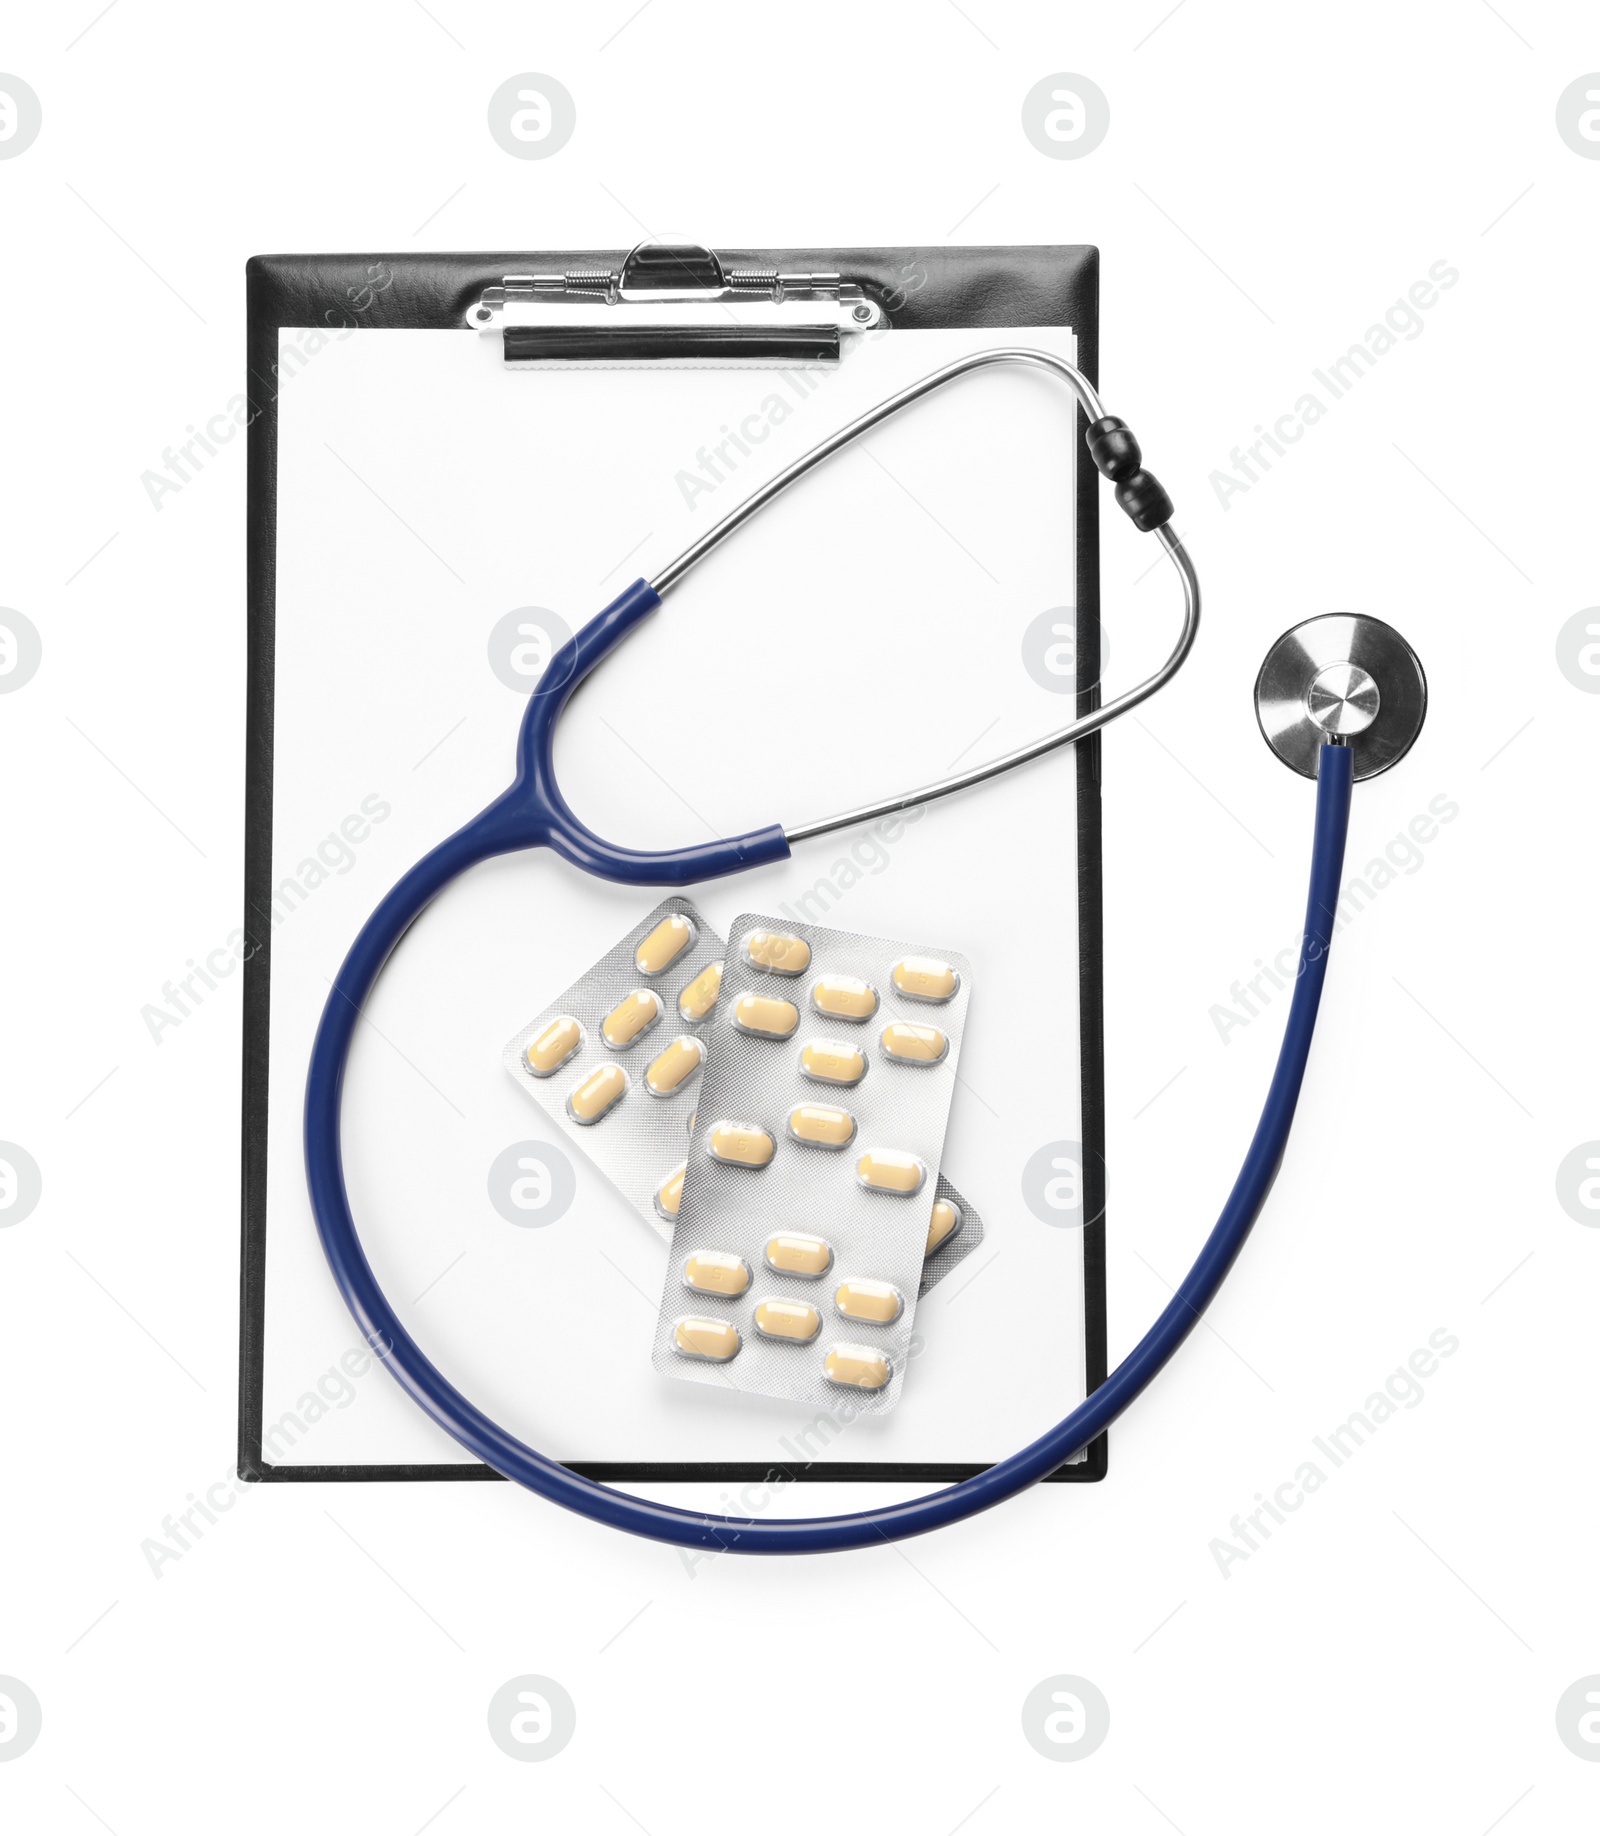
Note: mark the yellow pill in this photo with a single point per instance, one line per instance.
(914, 1045)
(888, 1170)
(673, 1069)
(767, 1016)
(857, 1367)
(925, 978)
(788, 1254)
(943, 1225)
(665, 944)
(877, 1302)
(782, 1319)
(698, 999)
(844, 997)
(631, 1018)
(669, 1195)
(824, 1061)
(778, 952)
(554, 1046)
(716, 1272)
(818, 1126)
(740, 1144)
(599, 1093)
(711, 1341)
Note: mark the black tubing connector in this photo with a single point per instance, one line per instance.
(1113, 448)
(1116, 452)
(1145, 500)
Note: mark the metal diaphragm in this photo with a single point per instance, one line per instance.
(1341, 676)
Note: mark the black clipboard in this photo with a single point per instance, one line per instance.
(915, 288)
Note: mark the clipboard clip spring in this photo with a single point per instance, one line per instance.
(675, 303)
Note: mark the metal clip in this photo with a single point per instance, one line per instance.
(675, 303)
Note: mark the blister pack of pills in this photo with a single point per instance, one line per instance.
(616, 1058)
(645, 1013)
(797, 1254)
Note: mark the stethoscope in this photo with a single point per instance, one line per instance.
(1339, 698)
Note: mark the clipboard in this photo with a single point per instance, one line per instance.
(562, 313)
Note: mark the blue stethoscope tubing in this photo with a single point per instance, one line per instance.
(532, 812)
(437, 1397)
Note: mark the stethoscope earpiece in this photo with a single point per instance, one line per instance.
(1344, 679)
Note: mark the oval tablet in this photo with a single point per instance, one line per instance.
(631, 1018)
(669, 1194)
(924, 978)
(711, 1341)
(784, 1319)
(665, 944)
(673, 1069)
(716, 1272)
(778, 952)
(766, 1016)
(698, 999)
(888, 1170)
(548, 1051)
(819, 1126)
(914, 1045)
(876, 1302)
(740, 1144)
(807, 1257)
(826, 1061)
(943, 1225)
(857, 1366)
(599, 1093)
(844, 997)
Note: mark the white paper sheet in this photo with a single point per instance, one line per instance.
(860, 636)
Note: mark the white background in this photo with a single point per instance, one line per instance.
(1272, 181)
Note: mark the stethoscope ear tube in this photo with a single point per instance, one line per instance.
(459, 1417)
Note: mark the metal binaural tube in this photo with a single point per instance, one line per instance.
(1079, 729)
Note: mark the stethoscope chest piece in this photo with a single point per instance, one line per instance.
(1341, 677)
